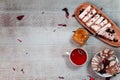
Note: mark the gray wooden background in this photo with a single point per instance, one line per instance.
(41, 54)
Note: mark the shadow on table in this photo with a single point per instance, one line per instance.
(69, 64)
(74, 43)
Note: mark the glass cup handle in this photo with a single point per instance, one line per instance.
(68, 53)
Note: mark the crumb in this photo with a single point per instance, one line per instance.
(54, 30)
(22, 71)
(43, 12)
(20, 17)
(26, 52)
(60, 77)
(101, 8)
(13, 69)
(19, 40)
(64, 25)
(73, 15)
(66, 11)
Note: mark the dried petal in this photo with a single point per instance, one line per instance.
(64, 25)
(66, 11)
(20, 17)
(19, 40)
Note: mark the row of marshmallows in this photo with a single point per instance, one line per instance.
(97, 23)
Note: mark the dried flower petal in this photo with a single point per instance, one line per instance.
(13, 69)
(66, 11)
(20, 17)
(22, 71)
(60, 77)
(64, 25)
(19, 40)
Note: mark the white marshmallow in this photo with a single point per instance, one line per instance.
(112, 58)
(104, 22)
(90, 14)
(84, 12)
(108, 25)
(99, 20)
(106, 50)
(109, 36)
(103, 29)
(91, 21)
(112, 63)
(95, 27)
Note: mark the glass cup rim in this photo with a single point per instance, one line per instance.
(73, 62)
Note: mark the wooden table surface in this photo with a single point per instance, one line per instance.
(34, 47)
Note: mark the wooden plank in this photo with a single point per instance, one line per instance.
(41, 54)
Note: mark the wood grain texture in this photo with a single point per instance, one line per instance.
(41, 54)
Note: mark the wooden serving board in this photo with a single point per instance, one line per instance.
(113, 25)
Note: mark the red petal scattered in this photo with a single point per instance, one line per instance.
(20, 17)
(19, 40)
(91, 78)
(60, 77)
(64, 25)
(66, 11)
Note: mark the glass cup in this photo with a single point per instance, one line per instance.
(78, 56)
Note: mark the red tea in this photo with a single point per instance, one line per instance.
(78, 56)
